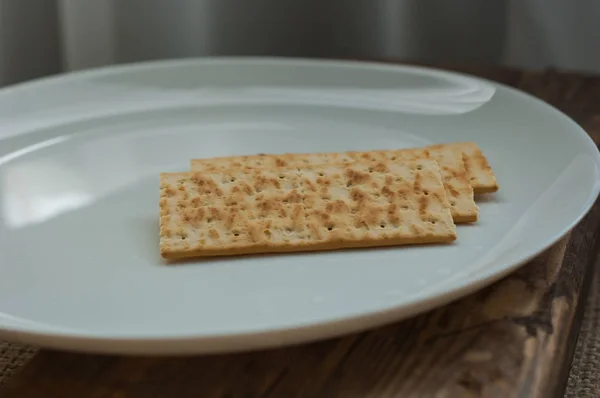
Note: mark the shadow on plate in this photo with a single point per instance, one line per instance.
(225, 259)
(488, 198)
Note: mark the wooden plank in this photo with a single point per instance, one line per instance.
(512, 339)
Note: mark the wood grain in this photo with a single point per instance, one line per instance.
(513, 339)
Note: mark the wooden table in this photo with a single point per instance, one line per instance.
(513, 339)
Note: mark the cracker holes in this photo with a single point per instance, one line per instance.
(426, 193)
(420, 167)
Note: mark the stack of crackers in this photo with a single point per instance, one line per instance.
(321, 201)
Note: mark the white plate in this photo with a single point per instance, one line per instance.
(79, 162)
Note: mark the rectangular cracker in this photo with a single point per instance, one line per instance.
(305, 208)
(478, 169)
(450, 159)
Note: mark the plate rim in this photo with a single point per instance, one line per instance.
(88, 341)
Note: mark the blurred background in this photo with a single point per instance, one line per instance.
(42, 37)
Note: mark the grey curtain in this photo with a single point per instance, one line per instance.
(29, 40)
(41, 37)
(34, 41)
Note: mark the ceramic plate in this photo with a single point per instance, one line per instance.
(80, 157)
